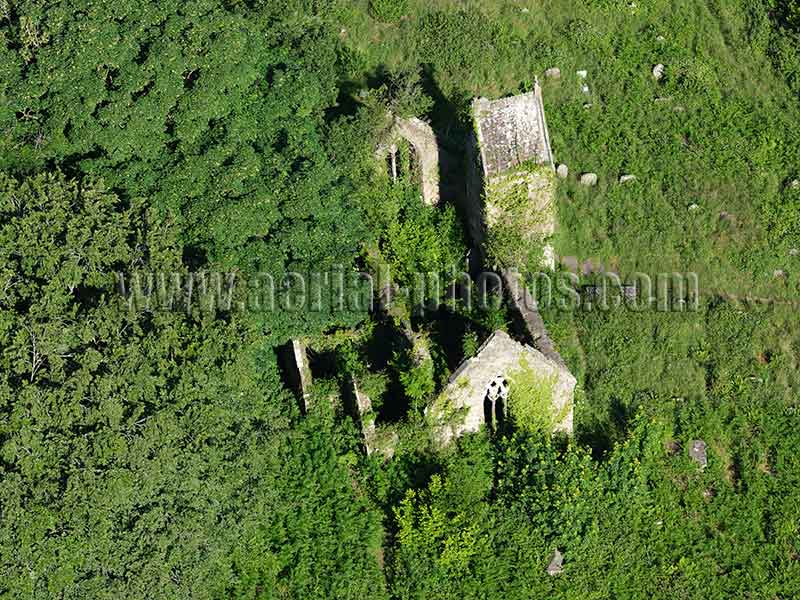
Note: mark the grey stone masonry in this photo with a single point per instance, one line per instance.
(304, 370)
(512, 131)
(525, 305)
(477, 391)
(420, 135)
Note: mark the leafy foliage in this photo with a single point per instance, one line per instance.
(157, 453)
(148, 454)
(388, 10)
(213, 112)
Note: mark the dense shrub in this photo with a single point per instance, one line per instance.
(388, 10)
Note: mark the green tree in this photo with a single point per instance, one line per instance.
(149, 454)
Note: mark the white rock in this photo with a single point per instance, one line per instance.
(553, 73)
(795, 185)
(589, 179)
(697, 452)
(658, 71)
(694, 207)
(549, 257)
(555, 567)
(779, 274)
(627, 178)
(661, 38)
(562, 171)
(585, 88)
(525, 10)
(794, 252)
(583, 74)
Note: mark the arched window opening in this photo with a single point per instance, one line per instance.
(494, 403)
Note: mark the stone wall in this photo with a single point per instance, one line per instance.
(524, 304)
(512, 131)
(462, 407)
(421, 137)
(510, 199)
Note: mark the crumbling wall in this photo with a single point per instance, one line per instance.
(299, 351)
(512, 131)
(382, 441)
(421, 137)
(510, 201)
(460, 408)
(524, 304)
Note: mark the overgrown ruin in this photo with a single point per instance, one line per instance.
(425, 149)
(510, 205)
(510, 213)
(511, 208)
(478, 392)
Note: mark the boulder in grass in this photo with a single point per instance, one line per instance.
(658, 72)
(697, 452)
(553, 73)
(556, 564)
(562, 171)
(589, 179)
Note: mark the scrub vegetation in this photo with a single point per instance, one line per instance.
(161, 453)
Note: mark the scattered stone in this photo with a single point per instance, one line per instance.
(658, 72)
(697, 452)
(556, 564)
(679, 109)
(694, 207)
(526, 10)
(630, 292)
(779, 274)
(764, 467)
(663, 99)
(587, 106)
(627, 178)
(672, 447)
(794, 252)
(589, 179)
(570, 263)
(661, 38)
(549, 257)
(709, 493)
(562, 171)
(585, 89)
(582, 74)
(553, 73)
(795, 185)
(589, 267)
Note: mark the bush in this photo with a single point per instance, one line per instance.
(388, 10)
